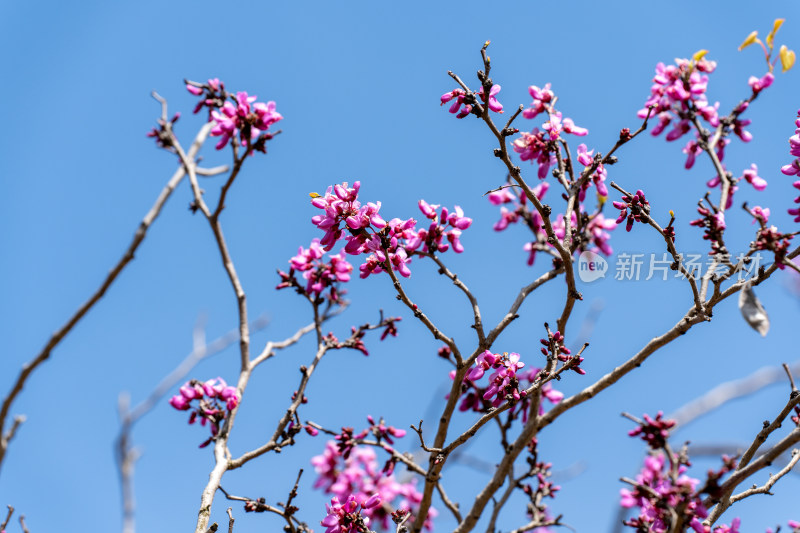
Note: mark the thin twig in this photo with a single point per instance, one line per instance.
(115, 271)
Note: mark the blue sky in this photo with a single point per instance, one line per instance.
(359, 88)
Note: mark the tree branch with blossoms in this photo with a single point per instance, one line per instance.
(372, 483)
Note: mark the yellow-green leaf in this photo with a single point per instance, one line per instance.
(787, 58)
(672, 213)
(752, 38)
(700, 54)
(314, 195)
(775, 27)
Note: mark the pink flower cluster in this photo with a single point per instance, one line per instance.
(475, 398)
(771, 239)
(533, 145)
(793, 168)
(359, 478)
(749, 175)
(503, 382)
(596, 229)
(677, 91)
(215, 399)
(585, 157)
(639, 209)
(665, 495)
(237, 117)
(319, 274)
(521, 211)
(553, 347)
(662, 495)
(346, 517)
(714, 223)
(654, 431)
(392, 242)
(467, 100)
(542, 101)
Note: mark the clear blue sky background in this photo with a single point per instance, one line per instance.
(359, 86)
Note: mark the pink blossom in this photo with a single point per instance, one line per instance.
(751, 176)
(760, 213)
(541, 100)
(533, 147)
(459, 96)
(210, 396)
(246, 120)
(359, 481)
(670, 100)
(556, 125)
(492, 104)
(759, 84)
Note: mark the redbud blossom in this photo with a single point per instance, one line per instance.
(671, 100)
(541, 100)
(638, 206)
(492, 104)
(360, 477)
(214, 397)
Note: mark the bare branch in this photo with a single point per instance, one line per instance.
(127, 257)
(765, 488)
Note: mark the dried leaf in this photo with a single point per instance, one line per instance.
(787, 58)
(752, 310)
(775, 27)
(752, 38)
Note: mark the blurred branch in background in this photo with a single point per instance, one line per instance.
(125, 453)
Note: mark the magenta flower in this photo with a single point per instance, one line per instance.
(760, 214)
(759, 84)
(658, 494)
(485, 361)
(671, 100)
(585, 157)
(598, 228)
(243, 120)
(215, 399)
(541, 100)
(360, 479)
(492, 104)
(460, 97)
(533, 147)
(556, 125)
(654, 431)
(639, 209)
(714, 224)
(793, 168)
(751, 176)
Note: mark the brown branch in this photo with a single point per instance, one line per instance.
(126, 454)
(511, 315)
(676, 257)
(8, 517)
(765, 488)
(115, 271)
(476, 312)
(746, 468)
(230, 519)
